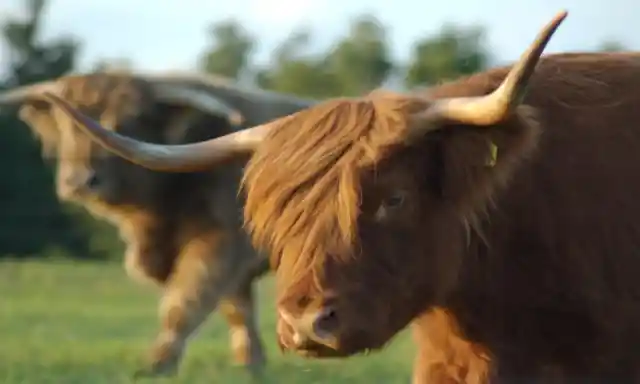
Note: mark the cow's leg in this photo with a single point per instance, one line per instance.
(151, 253)
(444, 356)
(191, 293)
(239, 310)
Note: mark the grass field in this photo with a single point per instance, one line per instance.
(86, 323)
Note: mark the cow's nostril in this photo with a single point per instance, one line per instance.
(326, 323)
(92, 181)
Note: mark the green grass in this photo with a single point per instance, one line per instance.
(86, 323)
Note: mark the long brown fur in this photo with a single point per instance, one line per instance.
(444, 354)
(312, 190)
(510, 232)
(324, 148)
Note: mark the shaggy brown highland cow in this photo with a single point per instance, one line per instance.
(497, 213)
(183, 231)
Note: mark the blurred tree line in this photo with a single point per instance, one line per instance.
(34, 223)
(355, 64)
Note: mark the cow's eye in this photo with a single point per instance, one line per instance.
(390, 204)
(395, 200)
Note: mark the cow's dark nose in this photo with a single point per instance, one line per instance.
(319, 326)
(92, 181)
(78, 183)
(325, 323)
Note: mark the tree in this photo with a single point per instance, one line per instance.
(361, 60)
(114, 64)
(453, 52)
(230, 51)
(32, 219)
(30, 60)
(611, 46)
(356, 64)
(298, 72)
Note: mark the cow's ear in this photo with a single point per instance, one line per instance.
(189, 125)
(475, 162)
(39, 117)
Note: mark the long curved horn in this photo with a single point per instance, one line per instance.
(174, 158)
(198, 99)
(21, 94)
(493, 108)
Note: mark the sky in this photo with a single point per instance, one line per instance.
(171, 34)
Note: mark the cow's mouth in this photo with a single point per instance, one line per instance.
(309, 349)
(319, 352)
(314, 350)
(343, 345)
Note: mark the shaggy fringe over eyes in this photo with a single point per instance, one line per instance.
(302, 184)
(110, 97)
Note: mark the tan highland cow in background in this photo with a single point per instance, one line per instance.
(183, 232)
